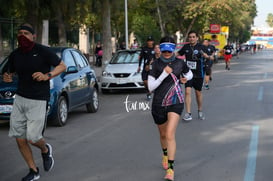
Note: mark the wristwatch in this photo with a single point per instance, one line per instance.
(49, 75)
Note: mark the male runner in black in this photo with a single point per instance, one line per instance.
(228, 54)
(210, 50)
(146, 55)
(32, 63)
(195, 54)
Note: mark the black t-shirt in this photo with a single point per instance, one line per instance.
(210, 49)
(98, 48)
(179, 67)
(194, 58)
(147, 54)
(39, 59)
(228, 49)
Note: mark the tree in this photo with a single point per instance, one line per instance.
(106, 30)
(162, 27)
(146, 17)
(269, 19)
(30, 11)
(62, 10)
(4, 14)
(236, 14)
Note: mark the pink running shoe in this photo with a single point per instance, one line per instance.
(170, 175)
(165, 162)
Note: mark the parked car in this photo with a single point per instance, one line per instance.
(73, 88)
(121, 72)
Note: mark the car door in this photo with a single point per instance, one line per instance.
(84, 91)
(71, 80)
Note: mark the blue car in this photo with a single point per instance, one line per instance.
(75, 87)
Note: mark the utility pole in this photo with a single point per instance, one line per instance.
(126, 24)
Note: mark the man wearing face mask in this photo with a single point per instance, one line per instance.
(32, 63)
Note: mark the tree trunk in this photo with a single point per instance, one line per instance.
(106, 31)
(163, 33)
(33, 17)
(61, 29)
(93, 47)
(189, 28)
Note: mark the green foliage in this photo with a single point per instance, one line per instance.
(145, 26)
(269, 19)
(143, 16)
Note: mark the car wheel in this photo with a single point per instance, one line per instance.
(62, 112)
(93, 106)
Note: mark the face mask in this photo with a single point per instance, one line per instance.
(25, 45)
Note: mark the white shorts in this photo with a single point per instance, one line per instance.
(27, 119)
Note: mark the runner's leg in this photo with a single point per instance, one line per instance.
(188, 99)
(199, 99)
(162, 132)
(173, 120)
(26, 153)
(41, 144)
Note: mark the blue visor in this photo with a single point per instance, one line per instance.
(167, 47)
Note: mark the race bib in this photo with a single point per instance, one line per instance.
(228, 51)
(192, 65)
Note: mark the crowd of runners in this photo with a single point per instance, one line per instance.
(164, 74)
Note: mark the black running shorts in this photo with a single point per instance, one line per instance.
(196, 83)
(160, 113)
(208, 66)
(144, 75)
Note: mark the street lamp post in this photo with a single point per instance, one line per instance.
(126, 24)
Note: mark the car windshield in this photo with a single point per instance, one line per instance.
(125, 57)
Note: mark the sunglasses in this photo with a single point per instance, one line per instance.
(167, 52)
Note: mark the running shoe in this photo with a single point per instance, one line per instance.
(169, 175)
(187, 117)
(165, 162)
(32, 175)
(149, 96)
(201, 115)
(228, 68)
(48, 160)
(206, 86)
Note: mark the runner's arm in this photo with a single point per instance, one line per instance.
(154, 83)
(188, 75)
(180, 52)
(140, 57)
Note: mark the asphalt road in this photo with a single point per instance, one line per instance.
(234, 143)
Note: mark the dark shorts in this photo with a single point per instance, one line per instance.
(196, 83)
(144, 75)
(160, 113)
(208, 66)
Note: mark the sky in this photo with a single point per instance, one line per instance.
(264, 7)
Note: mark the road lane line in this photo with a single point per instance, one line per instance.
(260, 94)
(252, 155)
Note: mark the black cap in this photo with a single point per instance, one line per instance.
(150, 38)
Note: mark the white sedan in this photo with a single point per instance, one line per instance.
(121, 72)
